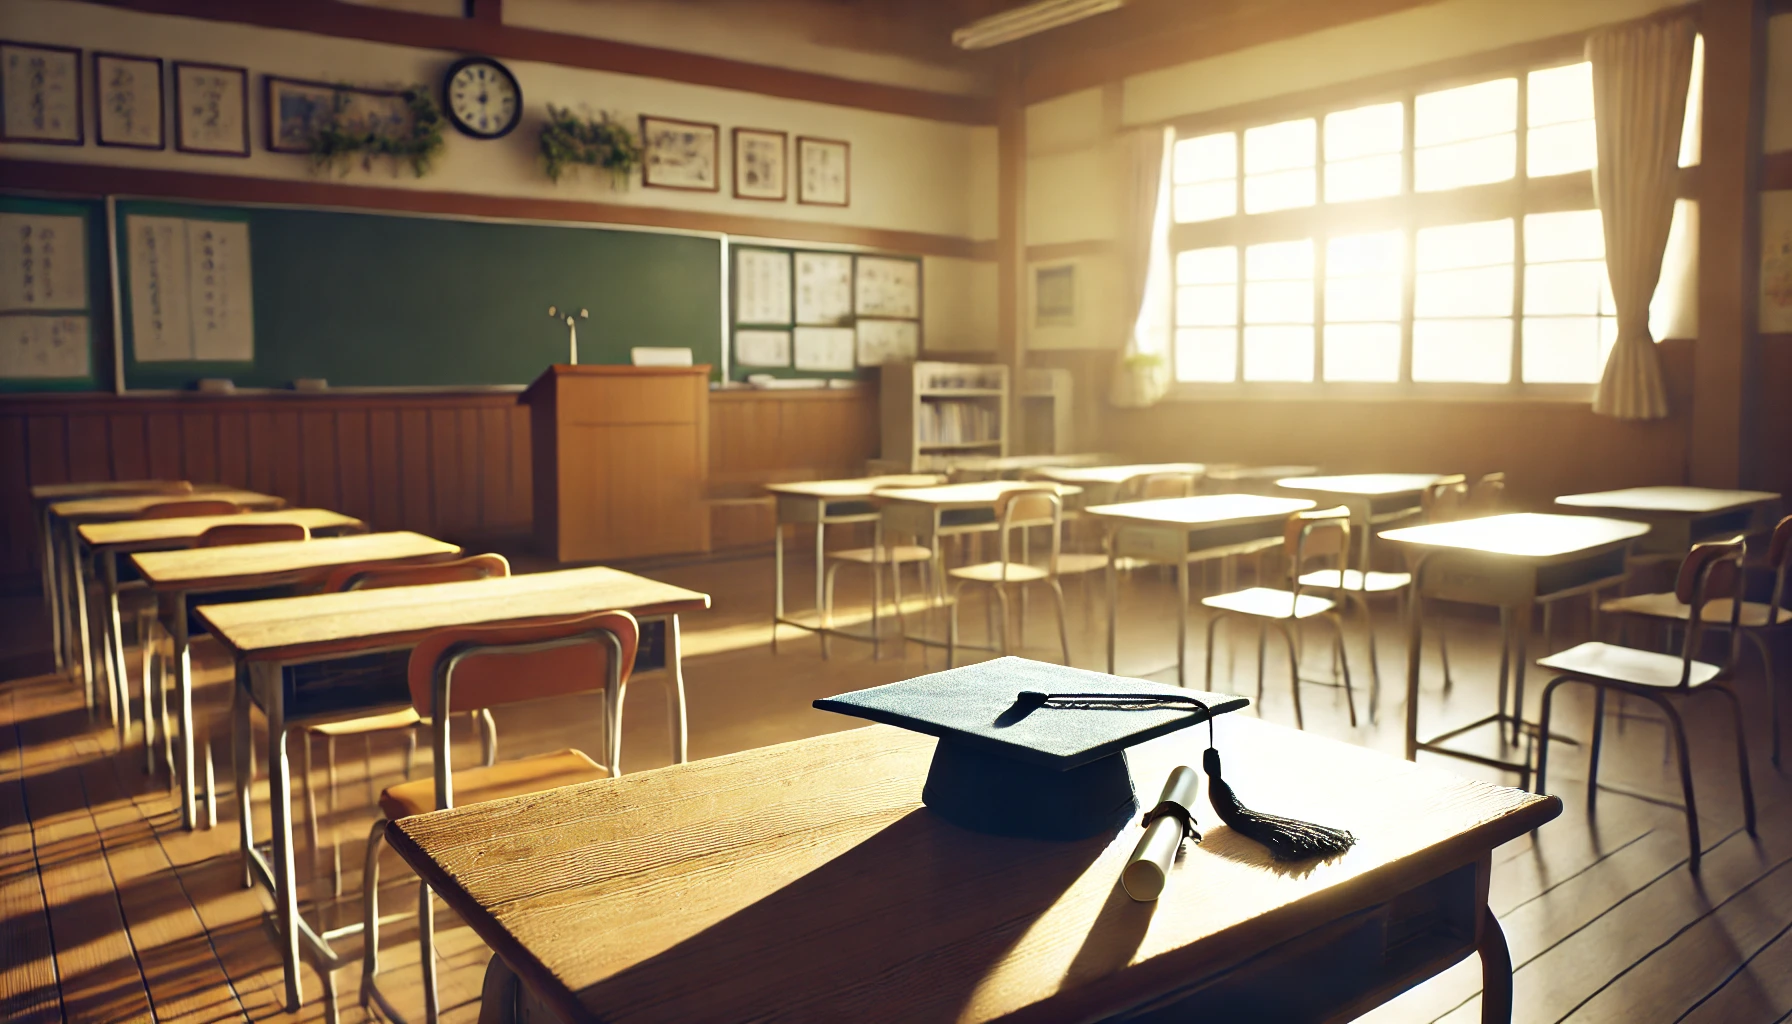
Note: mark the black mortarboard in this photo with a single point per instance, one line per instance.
(1031, 749)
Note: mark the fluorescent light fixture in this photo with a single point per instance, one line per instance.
(1030, 19)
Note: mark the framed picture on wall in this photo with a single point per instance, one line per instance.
(211, 109)
(759, 164)
(295, 110)
(40, 94)
(127, 101)
(679, 154)
(1054, 296)
(823, 171)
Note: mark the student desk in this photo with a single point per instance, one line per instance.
(996, 467)
(1234, 478)
(42, 497)
(699, 892)
(824, 503)
(68, 516)
(269, 637)
(1680, 517)
(1174, 531)
(1373, 499)
(1099, 483)
(1511, 562)
(182, 575)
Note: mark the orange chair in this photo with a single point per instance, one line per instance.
(474, 669)
(1710, 573)
(1321, 534)
(227, 534)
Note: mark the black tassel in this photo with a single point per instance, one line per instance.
(1286, 839)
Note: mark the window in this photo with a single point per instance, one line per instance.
(1448, 236)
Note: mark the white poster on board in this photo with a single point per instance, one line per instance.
(888, 287)
(762, 348)
(888, 341)
(222, 307)
(43, 262)
(824, 348)
(161, 326)
(823, 288)
(761, 286)
(44, 347)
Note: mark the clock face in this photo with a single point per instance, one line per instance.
(484, 100)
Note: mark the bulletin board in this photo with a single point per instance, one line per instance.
(54, 303)
(817, 313)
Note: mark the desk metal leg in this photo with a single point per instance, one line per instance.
(877, 585)
(286, 897)
(1182, 621)
(1496, 971)
(1414, 632)
(1113, 575)
(46, 530)
(80, 620)
(113, 631)
(242, 764)
(1519, 644)
(183, 697)
(675, 669)
(820, 598)
(777, 581)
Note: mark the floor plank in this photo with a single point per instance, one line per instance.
(28, 983)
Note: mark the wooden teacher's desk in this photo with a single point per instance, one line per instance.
(1680, 517)
(272, 636)
(701, 892)
(184, 575)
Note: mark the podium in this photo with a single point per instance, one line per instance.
(621, 461)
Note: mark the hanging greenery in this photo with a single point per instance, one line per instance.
(568, 141)
(415, 138)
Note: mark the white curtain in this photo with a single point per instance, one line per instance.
(1640, 78)
(1142, 377)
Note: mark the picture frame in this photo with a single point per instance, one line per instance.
(761, 164)
(293, 108)
(211, 109)
(823, 171)
(1055, 295)
(679, 154)
(40, 94)
(128, 107)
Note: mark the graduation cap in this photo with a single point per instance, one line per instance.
(1031, 749)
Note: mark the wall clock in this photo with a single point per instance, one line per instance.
(482, 98)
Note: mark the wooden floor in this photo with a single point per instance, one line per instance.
(112, 912)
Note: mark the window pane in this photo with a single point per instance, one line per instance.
(1363, 277)
(1362, 298)
(1369, 177)
(1278, 302)
(1559, 95)
(1210, 305)
(1465, 245)
(1279, 261)
(1555, 289)
(1358, 255)
(1279, 147)
(1362, 352)
(1469, 112)
(1278, 353)
(1365, 131)
(1282, 190)
(1561, 149)
(1476, 351)
(1207, 201)
(1207, 266)
(1567, 350)
(1483, 291)
(1569, 235)
(1478, 162)
(1691, 127)
(1207, 354)
(1205, 158)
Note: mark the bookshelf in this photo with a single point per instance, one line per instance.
(935, 411)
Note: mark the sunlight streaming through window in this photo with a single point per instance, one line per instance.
(1559, 115)
(1362, 152)
(1207, 314)
(1363, 280)
(1278, 166)
(1205, 173)
(1465, 136)
(1569, 322)
(1462, 303)
(1278, 311)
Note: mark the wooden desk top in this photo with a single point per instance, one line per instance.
(128, 532)
(292, 627)
(1521, 534)
(125, 506)
(1371, 485)
(101, 488)
(980, 492)
(855, 488)
(1202, 509)
(1015, 463)
(1680, 500)
(1113, 475)
(253, 565)
(709, 891)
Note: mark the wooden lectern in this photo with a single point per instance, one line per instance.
(621, 460)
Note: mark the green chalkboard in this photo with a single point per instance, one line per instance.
(379, 300)
(96, 305)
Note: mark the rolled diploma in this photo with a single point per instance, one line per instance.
(1149, 866)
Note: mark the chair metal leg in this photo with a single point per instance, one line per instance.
(488, 736)
(1593, 747)
(1692, 810)
(1262, 629)
(426, 951)
(304, 737)
(1748, 787)
(1213, 622)
(335, 840)
(1773, 689)
(149, 694)
(1343, 661)
(1063, 627)
(952, 627)
(825, 618)
(1300, 721)
(370, 913)
(1549, 692)
(242, 743)
(1002, 616)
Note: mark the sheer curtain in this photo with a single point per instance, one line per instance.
(1641, 73)
(1143, 376)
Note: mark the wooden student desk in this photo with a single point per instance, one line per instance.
(185, 574)
(70, 515)
(701, 892)
(824, 503)
(1099, 483)
(1511, 562)
(1176, 531)
(271, 636)
(1680, 517)
(1372, 498)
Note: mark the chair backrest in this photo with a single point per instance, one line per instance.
(1711, 571)
(1445, 499)
(196, 507)
(252, 533)
(1488, 495)
(379, 575)
(1026, 508)
(1320, 533)
(1147, 486)
(475, 667)
(1779, 558)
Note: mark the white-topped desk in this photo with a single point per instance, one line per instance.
(1510, 562)
(1237, 478)
(824, 503)
(1176, 531)
(1100, 483)
(1680, 517)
